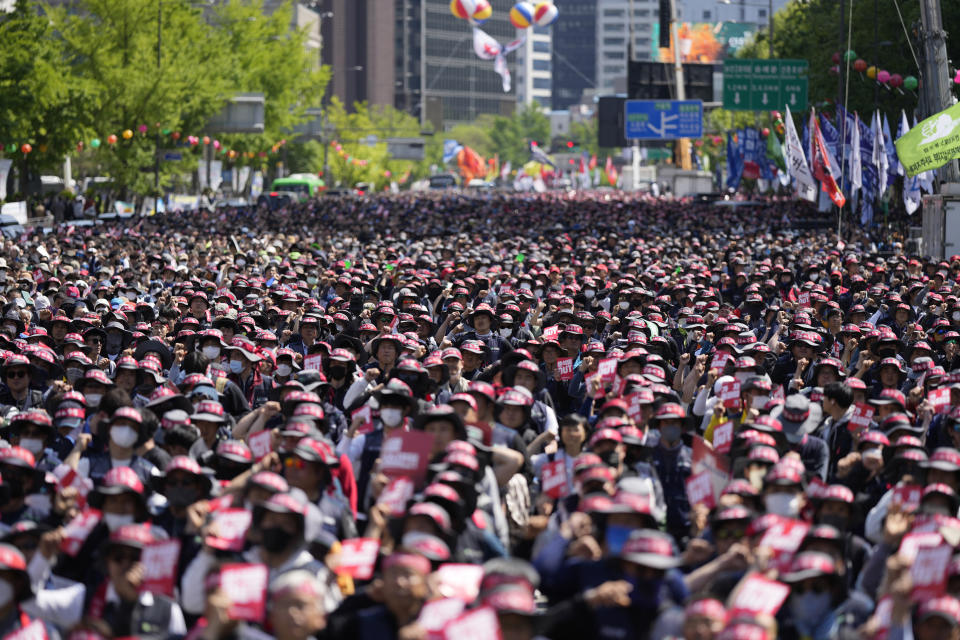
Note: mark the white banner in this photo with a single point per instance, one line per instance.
(5, 165)
(797, 162)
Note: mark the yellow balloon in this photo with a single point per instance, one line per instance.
(872, 72)
(127, 134)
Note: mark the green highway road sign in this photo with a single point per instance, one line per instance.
(762, 85)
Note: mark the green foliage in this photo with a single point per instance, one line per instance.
(511, 136)
(40, 103)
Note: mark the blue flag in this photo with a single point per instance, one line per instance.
(734, 163)
(751, 146)
(450, 150)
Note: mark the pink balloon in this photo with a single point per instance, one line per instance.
(883, 76)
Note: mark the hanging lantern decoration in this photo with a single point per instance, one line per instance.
(717, 140)
(80, 147)
(112, 138)
(26, 148)
(850, 55)
(910, 83)
(896, 80)
(765, 132)
(776, 115)
(835, 70)
(860, 65)
(216, 145)
(698, 143)
(263, 154)
(142, 129)
(883, 76)
(127, 134)
(206, 139)
(780, 128)
(872, 72)
(386, 173)
(42, 148)
(231, 154)
(835, 58)
(175, 135)
(165, 132)
(95, 143)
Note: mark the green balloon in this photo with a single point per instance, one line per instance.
(95, 143)
(11, 148)
(166, 132)
(850, 55)
(910, 83)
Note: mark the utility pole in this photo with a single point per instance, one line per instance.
(935, 87)
(156, 150)
(678, 74)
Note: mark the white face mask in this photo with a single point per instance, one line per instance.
(93, 400)
(211, 352)
(391, 417)
(116, 520)
(123, 436)
(236, 366)
(875, 454)
(759, 402)
(284, 370)
(715, 278)
(783, 504)
(538, 292)
(6, 593)
(589, 293)
(525, 285)
(33, 445)
(743, 376)
(506, 332)
(624, 304)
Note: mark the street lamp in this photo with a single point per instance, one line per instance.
(769, 8)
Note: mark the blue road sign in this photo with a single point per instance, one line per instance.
(662, 119)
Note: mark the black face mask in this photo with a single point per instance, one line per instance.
(276, 539)
(611, 458)
(834, 520)
(182, 496)
(338, 373)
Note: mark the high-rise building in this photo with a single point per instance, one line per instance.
(534, 77)
(574, 58)
(613, 37)
(357, 38)
(748, 11)
(439, 78)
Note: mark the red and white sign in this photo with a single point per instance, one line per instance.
(160, 566)
(861, 417)
(67, 477)
(723, 437)
(36, 630)
(394, 324)
(357, 557)
(940, 399)
(700, 490)
(246, 587)
(221, 503)
(784, 537)
(395, 496)
(907, 497)
(758, 595)
(729, 393)
(634, 405)
(817, 488)
(366, 413)
(228, 529)
(912, 543)
(435, 615)
(551, 333)
(313, 363)
(720, 360)
(76, 532)
(477, 624)
(406, 454)
(607, 370)
(260, 444)
(565, 369)
(553, 479)
(461, 581)
(803, 299)
(929, 572)
(596, 382)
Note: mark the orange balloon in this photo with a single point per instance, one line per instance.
(112, 139)
(26, 148)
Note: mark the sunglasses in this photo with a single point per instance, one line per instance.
(816, 586)
(20, 373)
(729, 534)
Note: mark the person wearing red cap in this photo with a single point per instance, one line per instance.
(16, 372)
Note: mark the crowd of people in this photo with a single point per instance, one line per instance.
(436, 416)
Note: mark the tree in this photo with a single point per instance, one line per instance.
(511, 137)
(41, 104)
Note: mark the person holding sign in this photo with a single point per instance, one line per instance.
(819, 605)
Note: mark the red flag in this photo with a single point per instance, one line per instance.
(821, 166)
(593, 162)
(611, 172)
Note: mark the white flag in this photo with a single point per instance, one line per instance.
(879, 155)
(856, 166)
(797, 163)
(911, 186)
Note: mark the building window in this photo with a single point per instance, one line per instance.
(643, 42)
(613, 42)
(612, 68)
(761, 13)
(613, 26)
(541, 31)
(541, 65)
(614, 55)
(613, 13)
(541, 83)
(541, 47)
(707, 15)
(642, 13)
